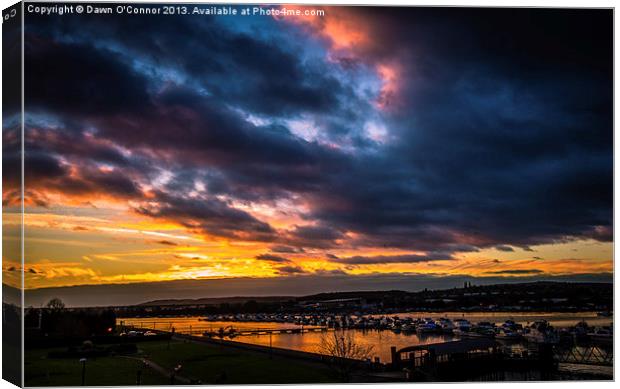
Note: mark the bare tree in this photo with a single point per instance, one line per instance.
(344, 351)
(55, 304)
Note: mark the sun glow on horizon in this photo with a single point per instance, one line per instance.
(151, 252)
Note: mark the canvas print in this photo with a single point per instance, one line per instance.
(271, 193)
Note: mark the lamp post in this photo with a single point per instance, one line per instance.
(83, 361)
(175, 371)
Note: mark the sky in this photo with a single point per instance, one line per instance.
(341, 152)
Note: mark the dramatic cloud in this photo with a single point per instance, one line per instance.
(286, 249)
(167, 243)
(207, 216)
(290, 270)
(351, 138)
(272, 258)
(321, 236)
(413, 258)
(80, 80)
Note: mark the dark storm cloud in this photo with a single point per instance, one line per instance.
(320, 233)
(11, 162)
(189, 131)
(379, 259)
(11, 67)
(64, 160)
(286, 249)
(185, 130)
(496, 145)
(37, 165)
(79, 79)
(45, 171)
(503, 136)
(319, 236)
(207, 216)
(261, 74)
(272, 258)
(274, 73)
(290, 270)
(67, 140)
(504, 248)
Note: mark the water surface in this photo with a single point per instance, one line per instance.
(381, 341)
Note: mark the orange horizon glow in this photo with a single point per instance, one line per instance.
(130, 248)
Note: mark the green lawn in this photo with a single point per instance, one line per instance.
(208, 363)
(41, 371)
(213, 364)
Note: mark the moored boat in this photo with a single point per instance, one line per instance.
(541, 332)
(461, 327)
(446, 325)
(602, 334)
(428, 326)
(504, 333)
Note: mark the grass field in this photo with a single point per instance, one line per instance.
(208, 363)
(41, 371)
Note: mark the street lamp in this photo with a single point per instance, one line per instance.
(83, 362)
(175, 371)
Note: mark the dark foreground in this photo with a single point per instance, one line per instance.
(200, 363)
(189, 361)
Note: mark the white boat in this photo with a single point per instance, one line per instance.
(461, 327)
(483, 329)
(428, 326)
(462, 324)
(408, 328)
(504, 333)
(602, 334)
(510, 324)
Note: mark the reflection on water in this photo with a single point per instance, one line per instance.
(381, 341)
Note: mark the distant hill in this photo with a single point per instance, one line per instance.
(514, 293)
(524, 287)
(11, 295)
(348, 295)
(217, 301)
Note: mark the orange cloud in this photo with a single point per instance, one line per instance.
(389, 75)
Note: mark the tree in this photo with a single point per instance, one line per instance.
(344, 351)
(55, 304)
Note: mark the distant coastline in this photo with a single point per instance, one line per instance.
(540, 296)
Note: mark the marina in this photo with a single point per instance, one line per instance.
(519, 333)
